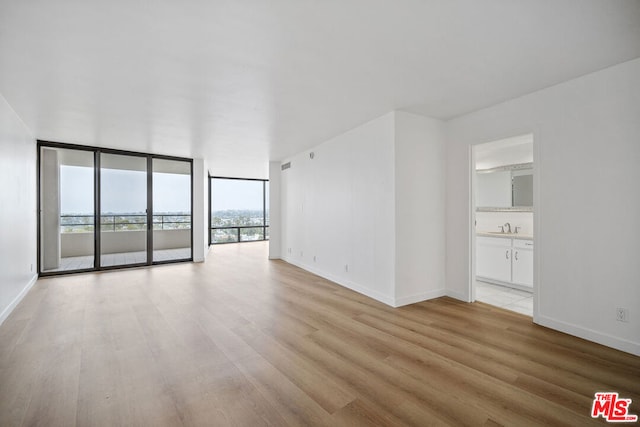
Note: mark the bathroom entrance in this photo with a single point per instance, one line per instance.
(503, 224)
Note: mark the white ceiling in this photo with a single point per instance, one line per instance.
(240, 82)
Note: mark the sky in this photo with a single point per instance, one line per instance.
(125, 191)
(229, 194)
(76, 190)
(122, 191)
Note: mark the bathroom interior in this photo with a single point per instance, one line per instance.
(504, 223)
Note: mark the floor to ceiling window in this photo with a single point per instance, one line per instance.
(67, 209)
(171, 210)
(238, 210)
(142, 203)
(123, 210)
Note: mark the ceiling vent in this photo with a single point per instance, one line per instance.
(285, 166)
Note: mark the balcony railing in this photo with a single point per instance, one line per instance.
(124, 222)
(239, 233)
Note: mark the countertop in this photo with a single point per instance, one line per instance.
(521, 236)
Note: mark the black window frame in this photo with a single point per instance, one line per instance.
(264, 225)
(97, 217)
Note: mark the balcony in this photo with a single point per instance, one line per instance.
(123, 240)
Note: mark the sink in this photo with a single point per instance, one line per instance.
(521, 236)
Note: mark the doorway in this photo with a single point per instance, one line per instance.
(101, 209)
(502, 212)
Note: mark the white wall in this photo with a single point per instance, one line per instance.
(81, 244)
(275, 230)
(18, 213)
(339, 208)
(494, 189)
(587, 157)
(368, 210)
(200, 210)
(76, 244)
(419, 208)
(170, 239)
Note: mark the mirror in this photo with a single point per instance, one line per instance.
(506, 187)
(522, 189)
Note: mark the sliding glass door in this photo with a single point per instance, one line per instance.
(67, 210)
(123, 210)
(142, 204)
(171, 210)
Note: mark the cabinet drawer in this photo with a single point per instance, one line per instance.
(493, 241)
(523, 244)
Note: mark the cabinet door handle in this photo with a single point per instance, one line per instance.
(516, 255)
(506, 254)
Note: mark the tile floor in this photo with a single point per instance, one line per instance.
(505, 297)
(125, 258)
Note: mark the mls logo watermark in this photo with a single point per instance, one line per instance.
(612, 408)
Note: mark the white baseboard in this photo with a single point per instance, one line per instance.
(590, 335)
(378, 296)
(457, 295)
(7, 311)
(423, 296)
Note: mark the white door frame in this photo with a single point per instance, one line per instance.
(536, 223)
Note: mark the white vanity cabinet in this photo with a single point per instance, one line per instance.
(493, 258)
(522, 263)
(505, 260)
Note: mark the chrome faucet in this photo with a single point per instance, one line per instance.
(508, 227)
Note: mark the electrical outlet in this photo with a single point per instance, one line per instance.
(346, 268)
(622, 314)
(314, 258)
(31, 268)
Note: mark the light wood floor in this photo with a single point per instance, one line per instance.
(245, 341)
